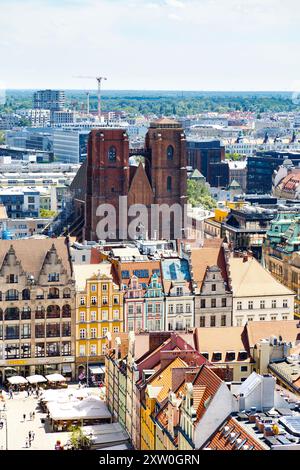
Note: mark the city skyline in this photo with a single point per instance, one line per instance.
(185, 45)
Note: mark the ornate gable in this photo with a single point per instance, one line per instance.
(11, 263)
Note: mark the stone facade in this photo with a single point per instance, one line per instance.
(213, 307)
(37, 308)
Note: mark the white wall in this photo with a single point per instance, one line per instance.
(240, 317)
(222, 404)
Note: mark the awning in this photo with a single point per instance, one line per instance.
(55, 378)
(17, 380)
(35, 379)
(97, 370)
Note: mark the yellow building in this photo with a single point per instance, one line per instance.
(221, 213)
(99, 310)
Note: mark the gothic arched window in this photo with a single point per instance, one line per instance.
(170, 152)
(112, 154)
(169, 183)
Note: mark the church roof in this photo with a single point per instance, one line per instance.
(165, 122)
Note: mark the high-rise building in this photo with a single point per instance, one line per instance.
(54, 100)
(70, 145)
(202, 155)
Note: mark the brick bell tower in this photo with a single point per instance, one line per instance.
(167, 144)
(107, 174)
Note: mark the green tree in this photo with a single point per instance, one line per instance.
(78, 440)
(2, 138)
(198, 195)
(47, 214)
(234, 156)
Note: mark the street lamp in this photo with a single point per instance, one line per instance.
(3, 416)
(87, 366)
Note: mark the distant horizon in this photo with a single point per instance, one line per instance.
(108, 90)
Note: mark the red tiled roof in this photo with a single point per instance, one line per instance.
(205, 386)
(290, 182)
(220, 441)
(211, 254)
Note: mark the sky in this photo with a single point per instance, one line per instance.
(151, 44)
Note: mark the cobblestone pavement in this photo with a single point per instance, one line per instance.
(17, 428)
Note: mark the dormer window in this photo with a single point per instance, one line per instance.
(230, 356)
(217, 356)
(243, 355)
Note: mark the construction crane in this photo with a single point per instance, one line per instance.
(99, 80)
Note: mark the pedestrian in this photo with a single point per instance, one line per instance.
(24, 417)
(58, 446)
(33, 415)
(27, 443)
(32, 435)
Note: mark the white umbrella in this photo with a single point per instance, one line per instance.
(55, 378)
(17, 380)
(35, 379)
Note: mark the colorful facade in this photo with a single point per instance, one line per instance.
(154, 305)
(99, 311)
(134, 306)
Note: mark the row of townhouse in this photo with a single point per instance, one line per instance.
(55, 315)
(203, 287)
(168, 396)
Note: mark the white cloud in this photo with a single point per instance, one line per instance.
(162, 44)
(174, 17)
(175, 3)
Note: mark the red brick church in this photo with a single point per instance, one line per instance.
(111, 171)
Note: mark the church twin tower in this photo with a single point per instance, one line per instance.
(160, 180)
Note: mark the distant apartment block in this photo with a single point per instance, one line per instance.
(62, 117)
(54, 100)
(37, 117)
(21, 202)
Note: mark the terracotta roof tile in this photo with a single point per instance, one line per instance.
(211, 254)
(220, 441)
(206, 385)
(164, 379)
(287, 329)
